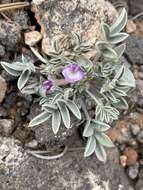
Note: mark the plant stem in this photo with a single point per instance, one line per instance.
(93, 97)
(85, 110)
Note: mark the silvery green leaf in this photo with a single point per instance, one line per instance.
(120, 49)
(30, 89)
(56, 98)
(106, 113)
(128, 78)
(39, 119)
(122, 104)
(24, 77)
(72, 107)
(120, 23)
(65, 114)
(118, 92)
(111, 96)
(103, 139)
(31, 67)
(48, 105)
(67, 93)
(109, 53)
(56, 45)
(56, 121)
(13, 69)
(101, 45)
(100, 152)
(118, 38)
(77, 38)
(88, 130)
(90, 146)
(119, 72)
(106, 30)
(84, 62)
(38, 55)
(101, 126)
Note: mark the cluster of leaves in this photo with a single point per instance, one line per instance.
(111, 79)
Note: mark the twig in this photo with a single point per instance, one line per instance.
(137, 16)
(38, 154)
(9, 6)
(6, 17)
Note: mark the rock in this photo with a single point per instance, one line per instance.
(140, 137)
(139, 31)
(32, 144)
(2, 51)
(135, 129)
(131, 27)
(135, 7)
(139, 85)
(10, 35)
(139, 185)
(131, 155)
(3, 88)
(133, 171)
(123, 160)
(11, 155)
(82, 173)
(32, 38)
(6, 127)
(134, 50)
(21, 18)
(69, 17)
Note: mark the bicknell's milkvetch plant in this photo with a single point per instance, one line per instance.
(64, 84)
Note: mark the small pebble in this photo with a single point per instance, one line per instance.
(6, 127)
(123, 160)
(131, 155)
(135, 129)
(32, 38)
(133, 171)
(140, 137)
(32, 144)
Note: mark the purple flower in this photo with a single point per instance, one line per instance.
(73, 73)
(48, 84)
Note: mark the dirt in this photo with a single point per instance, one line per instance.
(72, 171)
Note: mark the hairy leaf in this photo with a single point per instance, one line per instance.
(120, 49)
(56, 121)
(90, 146)
(121, 104)
(24, 77)
(104, 139)
(13, 69)
(106, 30)
(39, 119)
(101, 126)
(65, 114)
(88, 129)
(100, 152)
(118, 38)
(119, 23)
(109, 53)
(73, 108)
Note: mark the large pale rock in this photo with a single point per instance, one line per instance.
(71, 172)
(61, 19)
